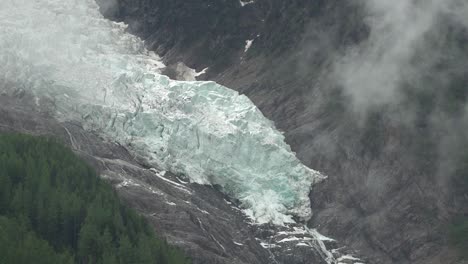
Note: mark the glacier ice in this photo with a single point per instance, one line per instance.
(89, 70)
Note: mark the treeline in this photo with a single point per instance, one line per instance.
(55, 209)
(459, 236)
(458, 231)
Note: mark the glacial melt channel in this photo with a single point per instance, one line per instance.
(88, 69)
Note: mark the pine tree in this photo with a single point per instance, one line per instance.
(54, 209)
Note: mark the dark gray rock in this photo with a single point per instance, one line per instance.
(196, 218)
(391, 192)
(199, 219)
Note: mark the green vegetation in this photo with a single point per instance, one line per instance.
(459, 230)
(54, 209)
(459, 236)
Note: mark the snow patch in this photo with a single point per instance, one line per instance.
(248, 44)
(244, 3)
(347, 257)
(203, 211)
(178, 185)
(201, 72)
(289, 239)
(127, 183)
(185, 73)
(268, 245)
(322, 237)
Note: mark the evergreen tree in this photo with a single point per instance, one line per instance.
(55, 209)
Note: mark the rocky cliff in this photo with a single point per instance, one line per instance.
(69, 73)
(393, 165)
(199, 219)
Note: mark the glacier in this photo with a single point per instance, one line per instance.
(89, 70)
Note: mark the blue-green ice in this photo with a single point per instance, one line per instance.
(89, 70)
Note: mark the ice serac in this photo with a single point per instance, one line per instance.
(89, 70)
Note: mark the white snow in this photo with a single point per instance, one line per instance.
(177, 185)
(185, 73)
(329, 256)
(294, 239)
(181, 181)
(248, 44)
(127, 183)
(156, 171)
(289, 239)
(349, 257)
(95, 73)
(201, 72)
(267, 245)
(312, 232)
(243, 3)
(295, 231)
(217, 242)
(322, 237)
(203, 211)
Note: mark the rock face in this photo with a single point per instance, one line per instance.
(68, 71)
(110, 83)
(199, 219)
(390, 192)
(194, 217)
(182, 29)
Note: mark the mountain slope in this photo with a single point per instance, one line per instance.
(64, 213)
(177, 213)
(392, 147)
(66, 66)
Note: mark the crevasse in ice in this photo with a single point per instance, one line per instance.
(89, 70)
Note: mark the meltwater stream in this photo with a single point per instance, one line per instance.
(89, 70)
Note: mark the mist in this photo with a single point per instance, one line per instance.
(109, 8)
(397, 51)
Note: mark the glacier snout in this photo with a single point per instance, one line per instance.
(99, 75)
